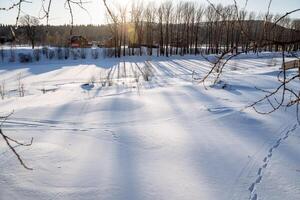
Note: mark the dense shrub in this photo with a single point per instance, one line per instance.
(83, 53)
(37, 54)
(12, 57)
(59, 53)
(108, 52)
(95, 53)
(25, 57)
(2, 54)
(45, 51)
(67, 53)
(75, 54)
(147, 71)
(51, 54)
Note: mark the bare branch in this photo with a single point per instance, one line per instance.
(8, 141)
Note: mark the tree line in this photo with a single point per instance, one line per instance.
(171, 28)
(57, 35)
(189, 28)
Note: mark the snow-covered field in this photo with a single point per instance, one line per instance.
(168, 138)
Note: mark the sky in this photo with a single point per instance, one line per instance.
(96, 11)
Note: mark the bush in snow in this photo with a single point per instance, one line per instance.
(147, 71)
(21, 88)
(75, 54)
(95, 54)
(45, 51)
(147, 74)
(101, 80)
(104, 52)
(59, 53)
(2, 54)
(67, 53)
(37, 54)
(109, 52)
(92, 79)
(12, 55)
(25, 57)
(82, 53)
(51, 54)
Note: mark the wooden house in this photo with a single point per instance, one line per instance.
(78, 41)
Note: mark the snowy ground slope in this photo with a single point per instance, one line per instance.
(168, 138)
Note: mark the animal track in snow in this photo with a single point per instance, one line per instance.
(266, 160)
(259, 171)
(254, 197)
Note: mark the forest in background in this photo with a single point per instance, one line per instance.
(183, 28)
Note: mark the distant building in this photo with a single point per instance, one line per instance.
(107, 42)
(78, 41)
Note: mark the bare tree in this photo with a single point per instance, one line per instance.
(46, 10)
(149, 18)
(167, 9)
(199, 16)
(114, 28)
(137, 19)
(123, 28)
(30, 25)
(160, 13)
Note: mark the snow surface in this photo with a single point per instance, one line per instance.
(168, 138)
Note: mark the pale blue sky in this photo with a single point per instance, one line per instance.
(59, 15)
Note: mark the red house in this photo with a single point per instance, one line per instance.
(78, 41)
